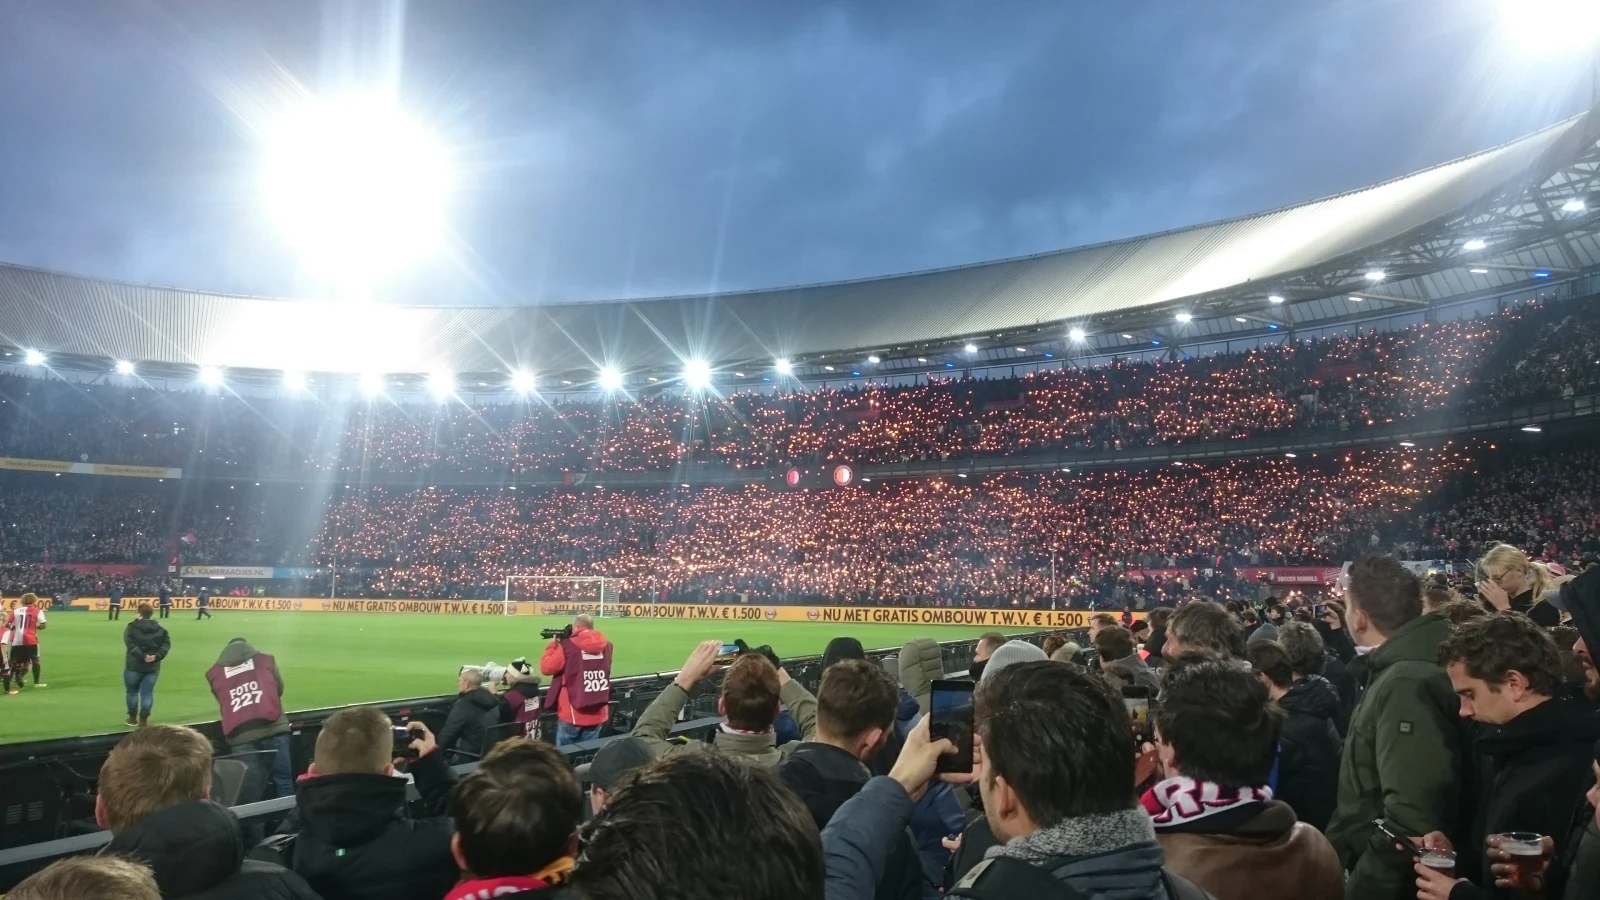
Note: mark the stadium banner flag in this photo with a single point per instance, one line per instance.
(246, 571)
(832, 615)
(61, 466)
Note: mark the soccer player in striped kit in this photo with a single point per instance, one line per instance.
(23, 627)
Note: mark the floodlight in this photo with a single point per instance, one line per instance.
(1076, 334)
(874, 359)
(1574, 205)
(783, 367)
(32, 357)
(1185, 318)
(294, 381)
(1529, 24)
(1275, 299)
(123, 367)
(522, 381)
(971, 348)
(1240, 319)
(610, 379)
(1474, 244)
(372, 384)
(1127, 337)
(355, 183)
(1022, 349)
(1354, 299)
(1407, 444)
(210, 375)
(1479, 271)
(1532, 429)
(1291, 455)
(697, 374)
(1376, 275)
(441, 384)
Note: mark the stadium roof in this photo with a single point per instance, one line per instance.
(1532, 204)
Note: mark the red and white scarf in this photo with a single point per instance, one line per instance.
(489, 888)
(1179, 800)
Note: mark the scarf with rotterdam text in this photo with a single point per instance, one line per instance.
(1180, 800)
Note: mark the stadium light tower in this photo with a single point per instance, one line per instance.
(355, 184)
(1077, 335)
(123, 367)
(783, 367)
(522, 381)
(697, 374)
(610, 379)
(32, 357)
(1185, 318)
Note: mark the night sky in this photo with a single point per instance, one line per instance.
(607, 150)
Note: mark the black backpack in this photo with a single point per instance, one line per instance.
(1003, 878)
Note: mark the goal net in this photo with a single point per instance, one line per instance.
(564, 594)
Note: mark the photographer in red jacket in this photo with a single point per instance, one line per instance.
(578, 662)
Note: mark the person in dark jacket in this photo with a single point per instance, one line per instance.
(476, 710)
(856, 705)
(1534, 752)
(1309, 745)
(1155, 644)
(349, 836)
(152, 798)
(147, 644)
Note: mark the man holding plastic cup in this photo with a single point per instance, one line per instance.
(1534, 752)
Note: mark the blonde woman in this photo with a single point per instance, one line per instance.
(1508, 579)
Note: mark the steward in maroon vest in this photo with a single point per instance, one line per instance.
(580, 678)
(249, 693)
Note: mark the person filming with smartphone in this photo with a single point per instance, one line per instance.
(350, 835)
(578, 661)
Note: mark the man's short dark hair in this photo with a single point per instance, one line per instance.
(1215, 716)
(701, 826)
(1389, 593)
(1303, 645)
(1104, 620)
(146, 611)
(1459, 611)
(1160, 617)
(1203, 625)
(750, 693)
(1114, 643)
(1493, 646)
(1268, 658)
(1060, 737)
(855, 696)
(991, 640)
(518, 812)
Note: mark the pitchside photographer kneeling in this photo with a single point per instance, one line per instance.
(476, 710)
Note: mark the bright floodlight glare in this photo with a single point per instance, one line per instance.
(1185, 318)
(522, 382)
(1574, 205)
(372, 384)
(356, 184)
(123, 367)
(971, 348)
(874, 359)
(1532, 429)
(441, 384)
(1354, 299)
(1551, 26)
(783, 367)
(1474, 244)
(1376, 275)
(210, 375)
(1076, 334)
(294, 381)
(1240, 319)
(1479, 271)
(610, 379)
(697, 374)
(1407, 444)
(32, 357)
(1275, 298)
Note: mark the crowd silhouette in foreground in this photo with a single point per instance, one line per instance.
(1406, 741)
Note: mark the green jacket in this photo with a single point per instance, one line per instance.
(759, 749)
(1403, 760)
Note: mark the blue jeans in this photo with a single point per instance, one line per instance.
(141, 687)
(280, 770)
(567, 733)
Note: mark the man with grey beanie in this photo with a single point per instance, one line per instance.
(1011, 653)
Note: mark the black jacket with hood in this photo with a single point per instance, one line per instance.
(351, 839)
(824, 777)
(470, 719)
(196, 853)
(1308, 771)
(145, 637)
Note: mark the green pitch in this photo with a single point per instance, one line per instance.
(329, 659)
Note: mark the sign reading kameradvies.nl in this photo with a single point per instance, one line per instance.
(845, 615)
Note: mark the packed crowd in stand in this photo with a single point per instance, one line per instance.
(1530, 353)
(1403, 742)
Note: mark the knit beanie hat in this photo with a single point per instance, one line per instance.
(841, 648)
(1011, 653)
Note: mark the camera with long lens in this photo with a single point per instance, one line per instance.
(556, 634)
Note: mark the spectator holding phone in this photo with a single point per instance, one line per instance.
(1405, 758)
(752, 689)
(350, 836)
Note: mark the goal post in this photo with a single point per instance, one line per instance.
(574, 594)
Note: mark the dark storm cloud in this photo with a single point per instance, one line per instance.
(629, 149)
